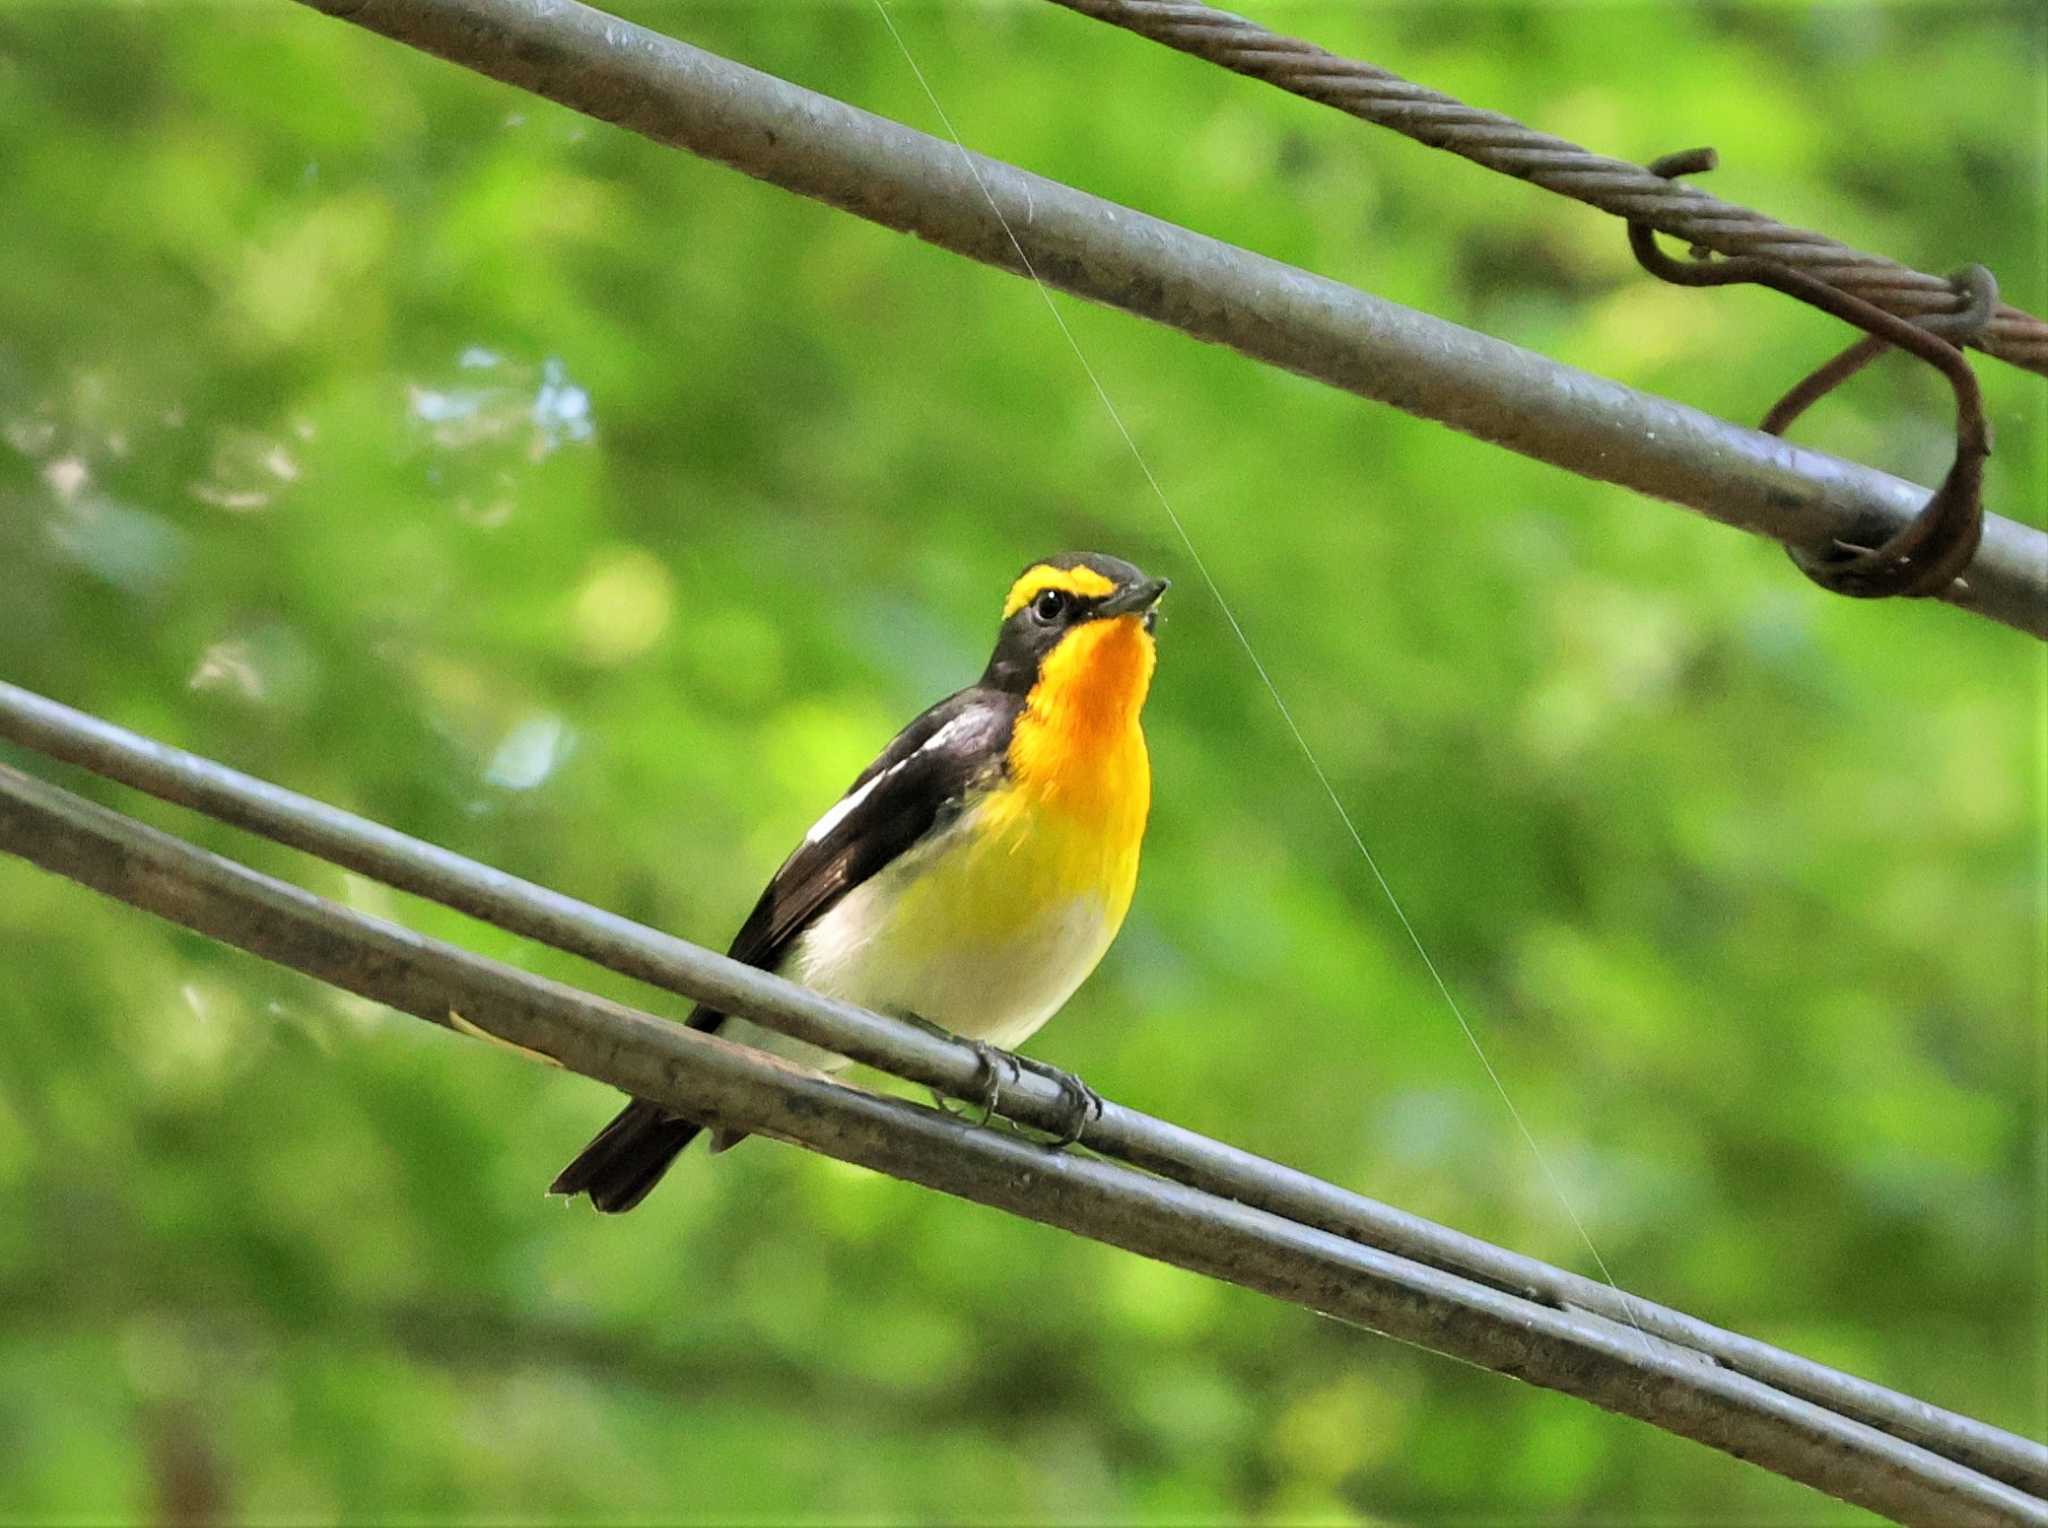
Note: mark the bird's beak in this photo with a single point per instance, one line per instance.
(1133, 599)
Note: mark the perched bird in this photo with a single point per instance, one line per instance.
(975, 873)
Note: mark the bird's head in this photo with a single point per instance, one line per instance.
(1077, 636)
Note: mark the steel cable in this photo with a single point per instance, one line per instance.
(1556, 164)
(1229, 1215)
(881, 170)
(951, 1066)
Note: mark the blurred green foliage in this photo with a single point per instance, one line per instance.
(597, 512)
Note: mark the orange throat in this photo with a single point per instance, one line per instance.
(1077, 745)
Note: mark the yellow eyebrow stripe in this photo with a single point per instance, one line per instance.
(1082, 581)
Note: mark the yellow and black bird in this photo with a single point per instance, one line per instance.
(976, 872)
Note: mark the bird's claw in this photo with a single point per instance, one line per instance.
(989, 1077)
(1083, 1104)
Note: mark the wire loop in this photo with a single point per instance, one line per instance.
(1931, 551)
(1508, 147)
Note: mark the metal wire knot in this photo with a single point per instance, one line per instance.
(1928, 553)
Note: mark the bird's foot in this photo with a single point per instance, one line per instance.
(1083, 1105)
(988, 1077)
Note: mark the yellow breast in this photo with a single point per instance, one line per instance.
(990, 926)
(1080, 779)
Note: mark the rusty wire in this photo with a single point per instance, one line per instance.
(1556, 164)
(994, 212)
(1926, 554)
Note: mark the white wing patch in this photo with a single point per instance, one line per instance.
(847, 803)
(852, 799)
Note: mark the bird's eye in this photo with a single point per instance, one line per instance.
(1050, 605)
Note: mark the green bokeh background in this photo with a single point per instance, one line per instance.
(597, 512)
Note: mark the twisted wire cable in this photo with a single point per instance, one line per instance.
(1556, 164)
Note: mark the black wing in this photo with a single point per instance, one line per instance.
(916, 785)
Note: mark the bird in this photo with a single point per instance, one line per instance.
(971, 877)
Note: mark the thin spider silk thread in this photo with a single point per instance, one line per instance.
(1265, 678)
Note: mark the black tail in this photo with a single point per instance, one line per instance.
(626, 1158)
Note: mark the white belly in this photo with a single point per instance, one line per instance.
(978, 932)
